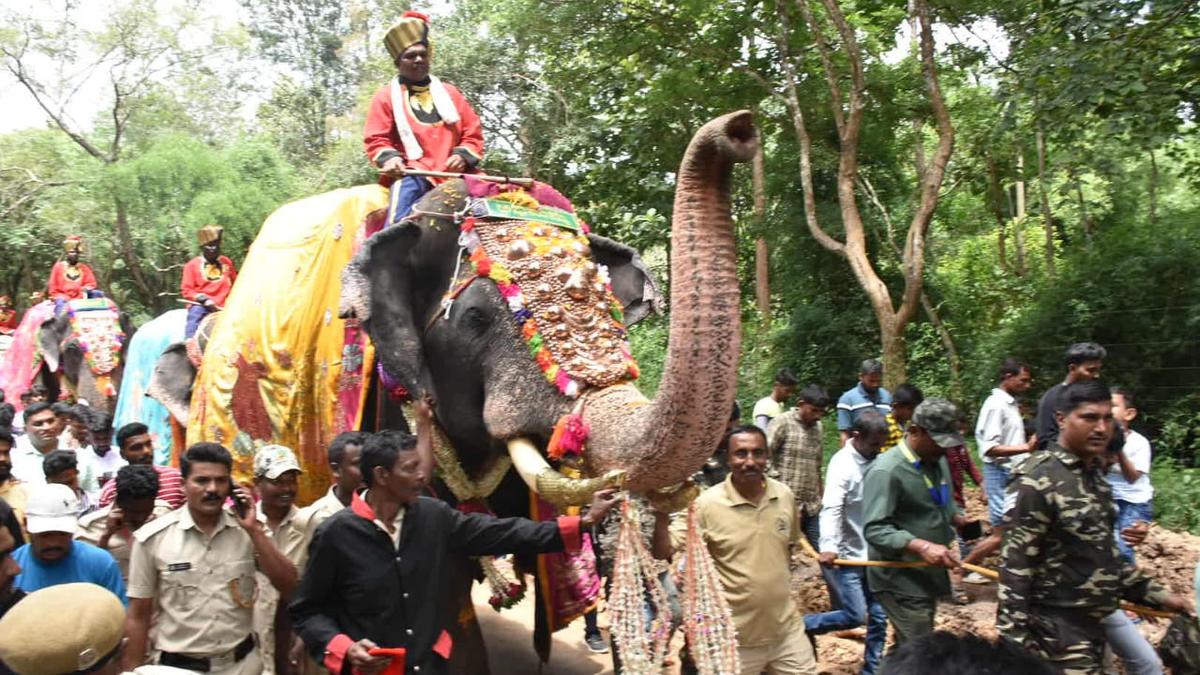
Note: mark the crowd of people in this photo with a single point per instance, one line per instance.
(131, 566)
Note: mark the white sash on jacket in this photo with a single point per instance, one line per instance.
(441, 102)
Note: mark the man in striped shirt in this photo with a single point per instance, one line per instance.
(137, 447)
(868, 394)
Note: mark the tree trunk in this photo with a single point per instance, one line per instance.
(1019, 228)
(1153, 188)
(995, 201)
(762, 269)
(129, 255)
(947, 344)
(895, 353)
(1085, 221)
(1044, 195)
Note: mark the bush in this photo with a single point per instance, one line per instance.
(1176, 496)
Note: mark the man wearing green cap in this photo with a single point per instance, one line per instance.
(417, 121)
(910, 516)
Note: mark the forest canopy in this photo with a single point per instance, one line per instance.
(943, 184)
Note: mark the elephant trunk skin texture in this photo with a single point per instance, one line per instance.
(663, 442)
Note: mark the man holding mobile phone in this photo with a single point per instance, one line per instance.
(194, 570)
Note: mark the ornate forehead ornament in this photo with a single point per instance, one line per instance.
(561, 300)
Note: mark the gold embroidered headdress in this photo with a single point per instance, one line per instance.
(413, 28)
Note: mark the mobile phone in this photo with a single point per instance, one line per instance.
(972, 530)
(240, 505)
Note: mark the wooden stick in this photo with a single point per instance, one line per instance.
(188, 302)
(524, 182)
(991, 574)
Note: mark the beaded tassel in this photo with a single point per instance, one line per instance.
(643, 648)
(707, 622)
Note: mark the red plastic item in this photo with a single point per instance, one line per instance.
(398, 654)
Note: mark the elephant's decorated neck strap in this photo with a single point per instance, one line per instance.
(560, 299)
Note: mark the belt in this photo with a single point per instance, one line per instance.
(210, 663)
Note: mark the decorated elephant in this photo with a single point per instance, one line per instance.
(173, 373)
(508, 314)
(134, 404)
(80, 349)
(506, 324)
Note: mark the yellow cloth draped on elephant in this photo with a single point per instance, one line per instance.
(281, 367)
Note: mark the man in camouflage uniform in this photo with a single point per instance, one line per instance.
(1062, 572)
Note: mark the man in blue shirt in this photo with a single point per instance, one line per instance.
(868, 394)
(53, 557)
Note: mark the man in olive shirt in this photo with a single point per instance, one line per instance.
(910, 515)
(750, 524)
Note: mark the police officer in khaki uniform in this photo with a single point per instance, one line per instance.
(67, 629)
(194, 570)
(276, 480)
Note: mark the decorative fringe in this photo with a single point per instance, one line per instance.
(506, 592)
(643, 648)
(707, 621)
(569, 437)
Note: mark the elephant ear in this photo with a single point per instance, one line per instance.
(171, 381)
(378, 288)
(50, 338)
(632, 282)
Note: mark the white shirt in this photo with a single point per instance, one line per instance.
(842, 505)
(27, 467)
(1140, 491)
(106, 465)
(1000, 423)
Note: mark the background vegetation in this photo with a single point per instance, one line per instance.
(1068, 210)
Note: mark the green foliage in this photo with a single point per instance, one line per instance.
(1176, 496)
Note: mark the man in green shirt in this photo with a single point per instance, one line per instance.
(910, 515)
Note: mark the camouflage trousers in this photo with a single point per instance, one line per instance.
(1073, 640)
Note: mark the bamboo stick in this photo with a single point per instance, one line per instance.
(991, 574)
(524, 182)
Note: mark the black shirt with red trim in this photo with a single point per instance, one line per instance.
(358, 584)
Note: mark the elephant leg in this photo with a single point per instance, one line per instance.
(469, 656)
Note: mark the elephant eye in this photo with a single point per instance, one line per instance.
(476, 320)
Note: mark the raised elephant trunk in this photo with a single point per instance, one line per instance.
(664, 441)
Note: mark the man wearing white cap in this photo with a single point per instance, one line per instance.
(52, 557)
(276, 480)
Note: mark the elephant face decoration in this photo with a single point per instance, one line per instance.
(560, 299)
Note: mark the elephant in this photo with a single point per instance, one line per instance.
(490, 397)
(92, 373)
(48, 348)
(134, 404)
(174, 373)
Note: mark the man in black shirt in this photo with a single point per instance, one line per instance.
(1084, 361)
(376, 570)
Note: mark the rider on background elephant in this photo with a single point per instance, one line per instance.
(71, 279)
(417, 121)
(207, 278)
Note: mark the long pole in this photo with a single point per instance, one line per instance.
(524, 182)
(989, 573)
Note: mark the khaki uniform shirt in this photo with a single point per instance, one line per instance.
(204, 587)
(311, 516)
(91, 529)
(15, 493)
(751, 548)
(290, 540)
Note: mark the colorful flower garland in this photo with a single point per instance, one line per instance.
(100, 338)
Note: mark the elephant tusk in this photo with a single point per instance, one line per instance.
(551, 485)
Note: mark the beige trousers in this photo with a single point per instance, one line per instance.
(791, 655)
